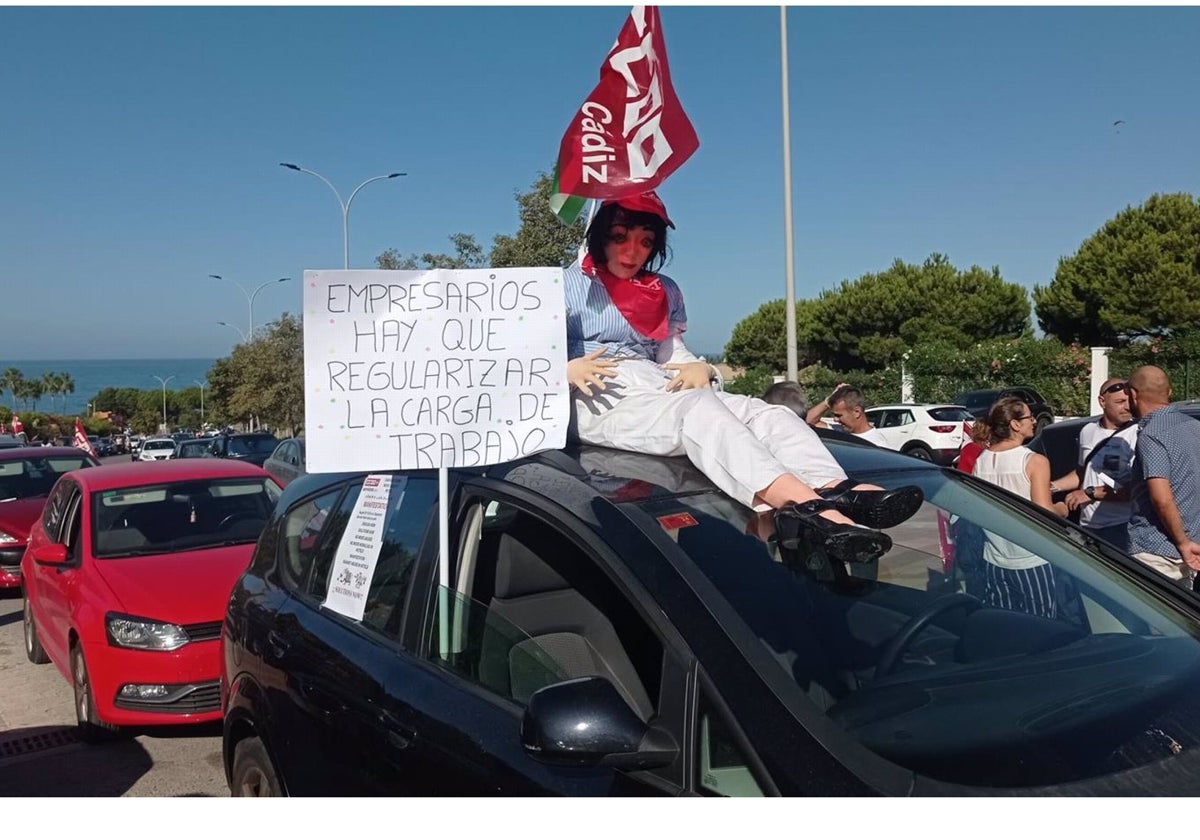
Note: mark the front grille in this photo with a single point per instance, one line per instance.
(203, 631)
(194, 698)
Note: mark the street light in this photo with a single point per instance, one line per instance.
(250, 296)
(201, 384)
(164, 390)
(89, 408)
(232, 326)
(345, 205)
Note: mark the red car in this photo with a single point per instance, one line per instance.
(126, 579)
(27, 473)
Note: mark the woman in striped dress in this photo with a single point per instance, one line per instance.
(636, 386)
(1016, 578)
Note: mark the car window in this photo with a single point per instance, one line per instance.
(251, 445)
(184, 515)
(25, 478)
(409, 509)
(875, 417)
(158, 444)
(302, 529)
(532, 608)
(723, 768)
(56, 506)
(72, 525)
(950, 413)
(901, 653)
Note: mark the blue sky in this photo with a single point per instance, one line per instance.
(139, 148)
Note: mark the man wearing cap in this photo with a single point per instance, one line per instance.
(1099, 485)
(638, 387)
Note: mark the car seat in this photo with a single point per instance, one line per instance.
(562, 634)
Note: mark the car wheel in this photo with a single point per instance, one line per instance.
(921, 451)
(33, 645)
(91, 729)
(253, 774)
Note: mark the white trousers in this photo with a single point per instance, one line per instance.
(741, 443)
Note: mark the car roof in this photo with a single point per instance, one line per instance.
(112, 476)
(627, 476)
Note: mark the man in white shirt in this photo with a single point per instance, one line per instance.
(1099, 486)
(846, 404)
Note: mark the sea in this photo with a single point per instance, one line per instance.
(94, 375)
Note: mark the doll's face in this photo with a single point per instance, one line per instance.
(627, 249)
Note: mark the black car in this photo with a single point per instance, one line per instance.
(255, 447)
(612, 624)
(1060, 441)
(981, 401)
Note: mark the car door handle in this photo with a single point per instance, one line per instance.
(277, 645)
(396, 733)
(325, 704)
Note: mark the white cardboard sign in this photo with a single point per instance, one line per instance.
(358, 550)
(427, 369)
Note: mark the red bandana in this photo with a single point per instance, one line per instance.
(642, 300)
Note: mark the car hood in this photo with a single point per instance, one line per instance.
(186, 587)
(17, 517)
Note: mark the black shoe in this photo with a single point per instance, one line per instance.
(848, 543)
(874, 508)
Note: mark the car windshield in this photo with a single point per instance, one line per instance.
(180, 516)
(904, 658)
(29, 477)
(158, 444)
(978, 399)
(252, 445)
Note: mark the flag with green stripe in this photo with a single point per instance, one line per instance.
(566, 206)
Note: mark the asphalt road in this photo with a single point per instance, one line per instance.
(40, 755)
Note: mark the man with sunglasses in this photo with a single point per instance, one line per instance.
(1165, 524)
(1099, 486)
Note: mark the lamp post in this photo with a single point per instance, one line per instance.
(234, 327)
(164, 392)
(89, 408)
(250, 296)
(201, 384)
(345, 205)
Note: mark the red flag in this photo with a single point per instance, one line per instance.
(81, 439)
(18, 426)
(631, 132)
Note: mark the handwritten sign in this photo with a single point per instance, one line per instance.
(358, 552)
(425, 369)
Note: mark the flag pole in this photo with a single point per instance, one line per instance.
(790, 307)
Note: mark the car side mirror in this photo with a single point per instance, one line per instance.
(51, 554)
(586, 723)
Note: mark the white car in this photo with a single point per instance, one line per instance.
(931, 432)
(157, 449)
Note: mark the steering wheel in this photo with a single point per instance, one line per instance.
(234, 517)
(905, 636)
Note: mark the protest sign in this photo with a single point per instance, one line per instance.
(358, 550)
(426, 369)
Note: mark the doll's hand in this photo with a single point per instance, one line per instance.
(587, 371)
(691, 375)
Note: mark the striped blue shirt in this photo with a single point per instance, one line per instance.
(593, 319)
(1168, 446)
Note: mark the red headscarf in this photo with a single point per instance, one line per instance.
(642, 299)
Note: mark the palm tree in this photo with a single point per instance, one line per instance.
(50, 383)
(66, 385)
(11, 380)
